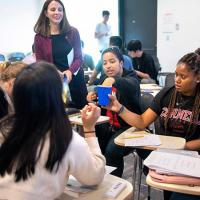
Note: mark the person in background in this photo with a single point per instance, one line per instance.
(125, 86)
(38, 148)
(114, 41)
(143, 63)
(103, 31)
(118, 42)
(88, 63)
(178, 107)
(7, 78)
(56, 41)
(30, 58)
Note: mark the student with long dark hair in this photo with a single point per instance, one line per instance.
(178, 107)
(38, 148)
(56, 41)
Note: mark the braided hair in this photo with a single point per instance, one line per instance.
(192, 61)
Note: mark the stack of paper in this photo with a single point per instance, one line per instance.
(174, 162)
(141, 138)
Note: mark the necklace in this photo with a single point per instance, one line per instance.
(182, 101)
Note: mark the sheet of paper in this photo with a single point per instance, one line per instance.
(143, 140)
(109, 169)
(174, 163)
(75, 186)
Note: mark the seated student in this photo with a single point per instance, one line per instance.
(177, 107)
(7, 77)
(143, 63)
(88, 62)
(117, 42)
(126, 88)
(39, 149)
(30, 58)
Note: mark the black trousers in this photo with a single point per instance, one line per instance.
(78, 90)
(113, 153)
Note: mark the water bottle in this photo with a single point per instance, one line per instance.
(66, 92)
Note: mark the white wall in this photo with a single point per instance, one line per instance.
(85, 14)
(19, 17)
(178, 30)
(17, 21)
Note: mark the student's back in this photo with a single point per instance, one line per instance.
(38, 148)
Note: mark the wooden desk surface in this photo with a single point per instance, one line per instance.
(174, 187)
(76, 120)
(98, 194)
(168, 142)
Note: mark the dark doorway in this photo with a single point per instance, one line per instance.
(138, 20)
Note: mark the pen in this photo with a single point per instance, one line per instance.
(133, 136)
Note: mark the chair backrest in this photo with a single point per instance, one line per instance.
(2, 57)
(157, 63)
(146, 99)
(169, 80)
(16, 56)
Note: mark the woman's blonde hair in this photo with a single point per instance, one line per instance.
(10, 71)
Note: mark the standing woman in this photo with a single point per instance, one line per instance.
(59, 43)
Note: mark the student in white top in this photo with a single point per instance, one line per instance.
(103, 31)
(39, 149)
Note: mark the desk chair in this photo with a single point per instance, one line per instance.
(146, 99)
(169, 80)
(16, 56)
(2, 58)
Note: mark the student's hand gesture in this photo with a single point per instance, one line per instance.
(91, 96)
(90, 114)
(114, 104)
(68, 73)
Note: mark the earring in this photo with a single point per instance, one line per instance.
(198, 81)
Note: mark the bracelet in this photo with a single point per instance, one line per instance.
(121, 110)
(87, 135)
(89, 131)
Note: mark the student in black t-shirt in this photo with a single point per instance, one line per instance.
(125, 87)
(143, 62)
(177, 107)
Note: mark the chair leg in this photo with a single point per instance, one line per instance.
(140, 164)
(134, 172)
(149, 192)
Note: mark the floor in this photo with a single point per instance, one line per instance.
(128, 170)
